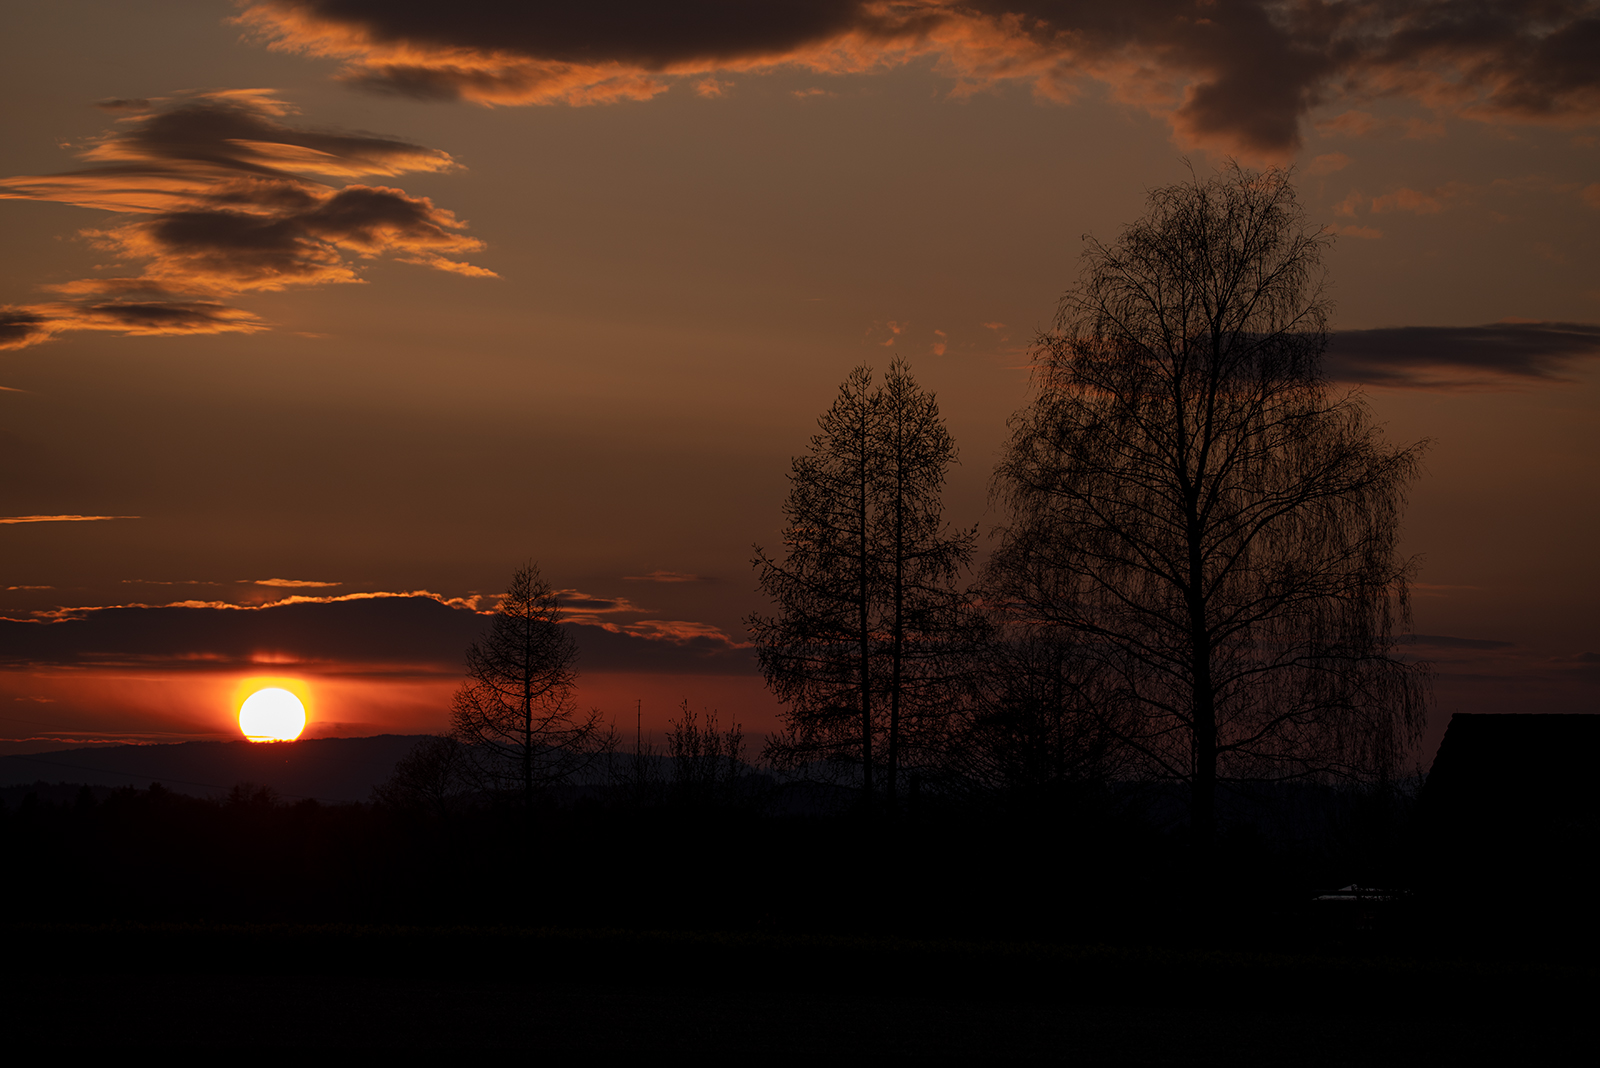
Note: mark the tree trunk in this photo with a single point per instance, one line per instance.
(1203, 697)
(897, 647)
(864, 590)
(528, 670)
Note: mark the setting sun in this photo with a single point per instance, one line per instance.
(272, 715)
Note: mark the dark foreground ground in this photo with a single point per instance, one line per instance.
(594, 993)
(726, 930)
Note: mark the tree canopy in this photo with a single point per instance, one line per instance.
(1196, 513)
(515, 712)
(866, 601)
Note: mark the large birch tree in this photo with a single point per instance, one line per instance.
(1196, 511)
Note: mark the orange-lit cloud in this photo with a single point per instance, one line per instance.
(1455, 357)
(1423, 203)
(585, 608)
(61, 519)
(682, 631)
(1328, 163)
(290, 583)
(1230, 75)
(23, 326)
(224, 198)
(413, 633)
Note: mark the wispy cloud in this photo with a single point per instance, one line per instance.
(1446, 641)
(1498, 355)
(1233, 75)
(1420, 202)
(290, 583)
(1328, 163)
(61, 518)
(168, 582)
(399, 633)
(588, 609)
(664, 576)
(222, 198)
(681, 631)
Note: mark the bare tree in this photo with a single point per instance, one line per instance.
(1034, 727)
(515, 712)
(1195, 511)
(866, 596)
(707, 761)
(433, 778)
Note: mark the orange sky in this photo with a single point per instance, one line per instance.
(326, 322)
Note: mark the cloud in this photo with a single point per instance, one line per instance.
(892, 327)
(682, 632)
(671, 651)
(1440, 357)
(222, 198)
(580, 607)
(290, 583)
(664, 576)
(20, 327)
(1328, 163)
(1420, 203)
(1445, 641)
(1230, 75)
(168, 582)
(399, 633)
(61, 518)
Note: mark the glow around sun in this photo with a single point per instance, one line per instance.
(272, 715)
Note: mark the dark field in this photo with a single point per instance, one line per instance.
(599, 992)
(147, 918)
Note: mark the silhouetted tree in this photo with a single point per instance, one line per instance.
(515, 714)
(1199, 516)
(866, 594)
(707, 761)
(434, 777)
(1034, 727)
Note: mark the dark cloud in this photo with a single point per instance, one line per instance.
(671, 653)
(1445, 641)
(222, 201)
(652, 35)
(1443, 357)
(406, 633)
(22, 326)
(1237, 75)
(130, 318)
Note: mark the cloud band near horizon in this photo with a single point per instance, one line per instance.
(405, 633)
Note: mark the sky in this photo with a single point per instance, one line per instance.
(321, 318)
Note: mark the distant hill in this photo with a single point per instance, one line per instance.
(328, 769)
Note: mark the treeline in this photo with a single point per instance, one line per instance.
(1194, 586)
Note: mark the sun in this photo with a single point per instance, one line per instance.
(272, 715)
